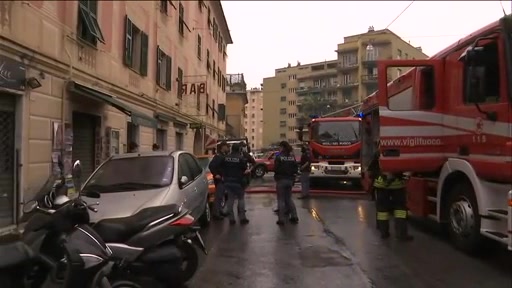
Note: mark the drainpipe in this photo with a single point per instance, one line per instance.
(63, 104)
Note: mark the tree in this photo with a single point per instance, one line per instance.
(317, 104)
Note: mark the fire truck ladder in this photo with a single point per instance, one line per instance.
(356, 109)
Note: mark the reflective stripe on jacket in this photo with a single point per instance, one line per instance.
(381, 182)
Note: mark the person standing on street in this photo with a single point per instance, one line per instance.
(305, 170)
(285, 169)
(234, 169)
(391, 195)
(214, 166)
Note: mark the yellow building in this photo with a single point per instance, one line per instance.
(358, 56)
(236, 99)
(295, 92)
(83, 79)
(254, 122)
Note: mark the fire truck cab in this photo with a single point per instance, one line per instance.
(447, 124)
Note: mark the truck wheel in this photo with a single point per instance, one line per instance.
(259, 171)
(463, 218)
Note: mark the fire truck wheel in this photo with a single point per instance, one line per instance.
(463, 218)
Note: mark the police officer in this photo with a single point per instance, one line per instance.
(214, 166)
(250, 160)
(285, 168)
(391, 195)
(234, 167)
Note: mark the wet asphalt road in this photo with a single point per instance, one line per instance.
(335, 245)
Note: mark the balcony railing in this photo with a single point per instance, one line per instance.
(347, 84)
(371, 60)
(315, 89)
(369, 78)
(348, 66)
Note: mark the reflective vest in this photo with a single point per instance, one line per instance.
(382, 183)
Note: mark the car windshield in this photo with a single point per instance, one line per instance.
(335, 133)
(131, 174)
(203, 162)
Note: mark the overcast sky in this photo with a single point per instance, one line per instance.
(269, 34)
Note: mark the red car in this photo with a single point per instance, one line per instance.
(266, 164)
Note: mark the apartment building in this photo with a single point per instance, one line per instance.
(254, 122)
(84, 79)
(358, 56)
(294, 93)
(236, 99)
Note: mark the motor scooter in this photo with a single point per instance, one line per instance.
(70, 254)
(154, 243)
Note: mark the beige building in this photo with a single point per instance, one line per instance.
(84, 79)
(254, 121)
(358, 56)
(236, 99)
(295, 92)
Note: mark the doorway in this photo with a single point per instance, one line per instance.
(84, 132)
(179, 141)
(7, 159)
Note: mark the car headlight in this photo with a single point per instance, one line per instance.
(314, 168)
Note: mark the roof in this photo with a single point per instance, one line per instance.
(144, 154)
(223, 22)
(338, 119)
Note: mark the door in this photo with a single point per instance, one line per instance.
(187, 166)
(161, 139)
(7, 159)
(411, 122)
(185, 189)
(200, 183)
(179, 141)
(84, 128)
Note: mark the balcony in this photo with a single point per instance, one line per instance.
(370, 60)
(303, 91)
(348, 84)
(318, 74)
(348, 66)
(369, 79)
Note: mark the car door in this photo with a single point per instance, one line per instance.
(196, 192)
(186, 189)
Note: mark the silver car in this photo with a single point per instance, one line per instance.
(130, 182)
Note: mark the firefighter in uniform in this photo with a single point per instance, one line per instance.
(391, 196)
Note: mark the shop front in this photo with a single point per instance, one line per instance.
(13, 85)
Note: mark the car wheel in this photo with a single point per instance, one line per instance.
(259, 171)
(463, 218)
(207, 216)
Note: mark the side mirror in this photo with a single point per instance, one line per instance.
(77, 169)
(475, 84)
(183, 180)
(30, 206)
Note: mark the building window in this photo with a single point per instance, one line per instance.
(282, 123)
(163, 69)
(252, 137)
(199, 46)
(209, 17)
(253, 100)
(224, 81)
(283, 98)
(161, 139)
(215, 30)
(181, 21)
(291, 90)
(282, 111)
(282, 135)
(201, 5)
(214, 70)
(135, 48)
(180, 83)
(88, 27)
(163, 6)
(208, 65)
(399, 53)
(253, 115)
(252, 130)
(283, 85)
(219, 76)
(207, 102)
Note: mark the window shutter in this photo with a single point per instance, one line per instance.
(144, 54)
(128, 41)
(158, 64)
(168, 71)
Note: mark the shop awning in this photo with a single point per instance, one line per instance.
(137, 117)
(210, 142)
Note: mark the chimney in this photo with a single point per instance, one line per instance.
(289, 65)
(419, 48)
(371, 29)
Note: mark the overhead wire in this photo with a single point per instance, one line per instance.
(398, 16)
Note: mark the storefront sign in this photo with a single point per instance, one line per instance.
(12, 74)
(195, 125)
(193, 88)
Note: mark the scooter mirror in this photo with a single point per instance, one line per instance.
(77, 170)
(30, 206)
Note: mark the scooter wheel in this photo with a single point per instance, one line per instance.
(190, 261)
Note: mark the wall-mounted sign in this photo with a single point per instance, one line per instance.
(12, 74)
(195, 125)
(193, 88)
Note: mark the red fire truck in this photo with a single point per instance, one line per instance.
(447, 124)
(334, 149)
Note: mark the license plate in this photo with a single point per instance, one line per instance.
(336, 168)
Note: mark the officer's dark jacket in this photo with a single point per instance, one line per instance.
(233, 168)
(285, 167)
(215, 166)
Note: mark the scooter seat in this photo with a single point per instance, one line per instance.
(14, 254)
(120, 230)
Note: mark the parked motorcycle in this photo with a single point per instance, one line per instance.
(16, 258)
(154, 243)
(70, 253)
